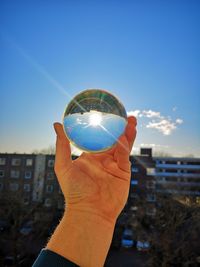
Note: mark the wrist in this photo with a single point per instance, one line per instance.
(83, 237)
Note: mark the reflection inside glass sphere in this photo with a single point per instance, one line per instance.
(94, 120)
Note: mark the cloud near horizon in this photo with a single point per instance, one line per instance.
(163, 124)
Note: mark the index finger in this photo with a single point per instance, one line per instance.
(130, 131)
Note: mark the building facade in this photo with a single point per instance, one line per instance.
(32, 178)
(178, 176)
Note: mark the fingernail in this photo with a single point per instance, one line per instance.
(133, 120)
(55, 128)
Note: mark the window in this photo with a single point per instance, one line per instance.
(28, 175)
(1, 186)
(151, 211)
(150, 184)
(134, 182)
(50, 175)
(49, 188)
(150, 171)
(47, 202)
(27, 187)
(59, 190)
(50, 162)
(134, 195)
(134, 169)
(1, 173)
(14, 174)
(2, 161)
(26, 200)
(16, 162)
(133, 208)
(14, 186)
(151, 197)
(29, 162)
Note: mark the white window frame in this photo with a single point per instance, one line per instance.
(27, 187)
(16, 162)
(29, 162)
(50, 175)
(15, 174)
(14, 187)
(2, 161)
(27, 176)
(151, 197)
(151, 184)
(26, 202)
(49, 188)
(48, 202)
(51, 163)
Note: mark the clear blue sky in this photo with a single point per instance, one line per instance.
(145, 52)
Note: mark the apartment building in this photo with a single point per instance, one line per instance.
(178, 176)
(142, 195)
(16, 175)
(31, 178)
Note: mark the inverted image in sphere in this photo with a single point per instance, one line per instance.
(94, 120)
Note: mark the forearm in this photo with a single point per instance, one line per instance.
(82, 238)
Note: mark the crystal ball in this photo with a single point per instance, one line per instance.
(94, 120)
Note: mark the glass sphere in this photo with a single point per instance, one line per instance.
(94, 120)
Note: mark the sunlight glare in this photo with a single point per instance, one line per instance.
(95, 119)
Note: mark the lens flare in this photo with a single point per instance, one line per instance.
(94, 120)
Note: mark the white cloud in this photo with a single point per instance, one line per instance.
(154, 145)
(134, 113)
(179, 121)
(151, 114)
(163, 124)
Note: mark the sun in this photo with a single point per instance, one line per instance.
(95, 119)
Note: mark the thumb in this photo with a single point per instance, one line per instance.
(63, 151)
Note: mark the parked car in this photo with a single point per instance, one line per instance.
(127, 239)
(143, 245)
(27, 228)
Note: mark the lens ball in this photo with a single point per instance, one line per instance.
(94, 120)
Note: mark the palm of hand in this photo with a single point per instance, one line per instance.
(95, 183)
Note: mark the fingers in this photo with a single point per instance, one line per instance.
(130, 131)
(125, 144)
(122, 152)
(63, 151)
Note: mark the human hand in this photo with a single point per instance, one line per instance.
(95, 183)
(95, 187)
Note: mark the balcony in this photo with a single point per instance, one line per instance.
(173, 174)
(177, 166)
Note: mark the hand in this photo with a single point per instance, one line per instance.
(95, 187)
(95, 183)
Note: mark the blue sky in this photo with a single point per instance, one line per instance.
(145, 52)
